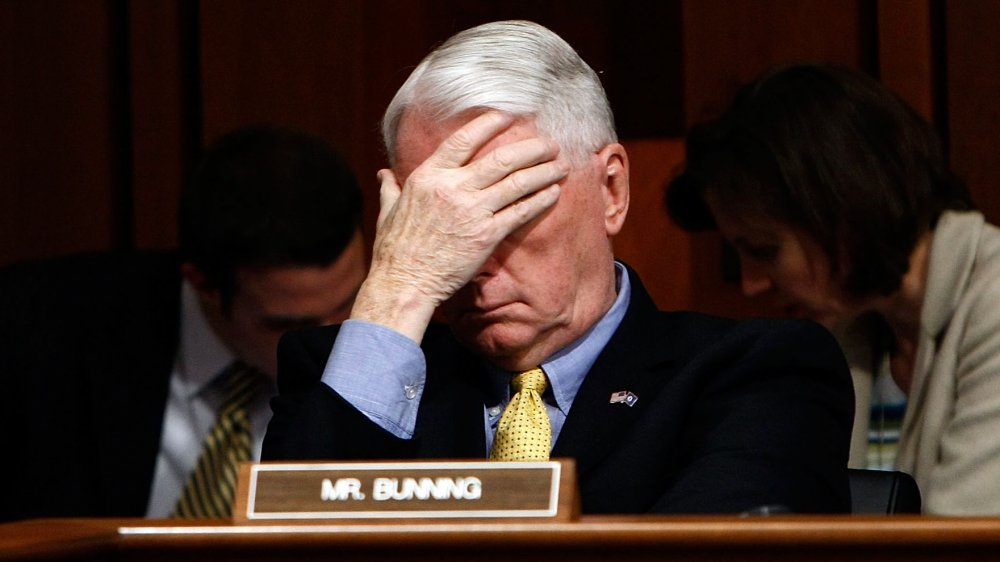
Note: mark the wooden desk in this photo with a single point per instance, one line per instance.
(904, 538)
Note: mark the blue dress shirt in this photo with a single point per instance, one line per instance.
(382, 372)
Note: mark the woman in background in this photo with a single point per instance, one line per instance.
(838, 200)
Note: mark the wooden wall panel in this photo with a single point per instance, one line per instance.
(973, 98)
(104, 104)
(332, 67)
(296, 63)
(656, 248)
(165, 120)
(728, 43)
(905, 52)
(57, 159)
(326, 67)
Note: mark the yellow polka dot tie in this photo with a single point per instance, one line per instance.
(524, 432)
(212, 484)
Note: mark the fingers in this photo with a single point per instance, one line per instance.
(523, 182)
(517, 168)
(505, 174)
(436, 231)
(459, 151)
(459, 148)
(526, 209)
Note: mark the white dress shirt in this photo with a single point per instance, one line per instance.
(193, 400)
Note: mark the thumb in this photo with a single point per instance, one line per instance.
(388, 194)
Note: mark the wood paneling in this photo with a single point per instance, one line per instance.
(676, 538)
(165, 119)
(655, 247)
(973, 98)
(105, 104)
(296, 63)
(57, 159)
(728, 43)
(906, 59)
(332, 67)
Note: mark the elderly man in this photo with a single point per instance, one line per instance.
(494, 302)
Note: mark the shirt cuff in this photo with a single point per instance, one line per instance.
(380, 372)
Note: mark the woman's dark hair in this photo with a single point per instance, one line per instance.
(266, 195)
(827, 149)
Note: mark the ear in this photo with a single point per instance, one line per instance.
(614, 167)
(208, 294)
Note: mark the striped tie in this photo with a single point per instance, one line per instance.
(210, 488)
(524, 432)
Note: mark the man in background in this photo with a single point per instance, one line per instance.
(116, 367)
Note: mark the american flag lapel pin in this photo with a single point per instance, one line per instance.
(624, 397)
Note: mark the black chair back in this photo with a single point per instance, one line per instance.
(883, 492)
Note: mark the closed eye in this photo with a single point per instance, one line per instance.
(762, 252)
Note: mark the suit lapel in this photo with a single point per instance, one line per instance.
(130, 387)
(450, 421)
(635, 360)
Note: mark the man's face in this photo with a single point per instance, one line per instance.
(269, 301)
(549, 281)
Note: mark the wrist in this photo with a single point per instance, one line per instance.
(394, 304)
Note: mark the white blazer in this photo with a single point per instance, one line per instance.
(950, 439)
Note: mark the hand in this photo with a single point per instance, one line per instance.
(436, 232)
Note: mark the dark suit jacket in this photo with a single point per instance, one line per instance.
(731, 416)
(87, 344)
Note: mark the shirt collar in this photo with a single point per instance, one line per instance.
(950, 265)
(202, 355)
(567, 368)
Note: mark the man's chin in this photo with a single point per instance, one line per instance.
(800, 312)
(496, 341)
(829, 321)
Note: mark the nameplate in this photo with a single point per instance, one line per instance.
(321, 492)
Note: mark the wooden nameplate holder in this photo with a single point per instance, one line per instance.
(341, 492)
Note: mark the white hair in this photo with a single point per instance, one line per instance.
(517, 67)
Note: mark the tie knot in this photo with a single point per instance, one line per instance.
(533, 379)
(241, 383)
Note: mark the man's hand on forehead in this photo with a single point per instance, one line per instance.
(436, 232)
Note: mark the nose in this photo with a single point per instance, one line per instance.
(753, 279)
(489, 267)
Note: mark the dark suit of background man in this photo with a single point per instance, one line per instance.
(507, 185)
(110, 362)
